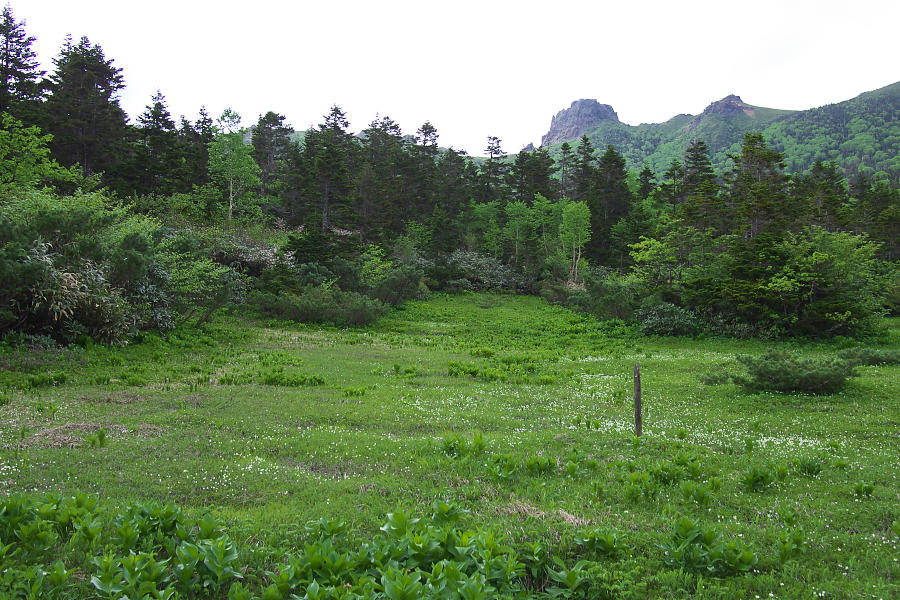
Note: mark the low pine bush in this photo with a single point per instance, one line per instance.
(778, 371)
(668, 319)
(870, 356)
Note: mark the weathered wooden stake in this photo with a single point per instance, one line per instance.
(637, 400)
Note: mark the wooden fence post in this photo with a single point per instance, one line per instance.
(637, 400)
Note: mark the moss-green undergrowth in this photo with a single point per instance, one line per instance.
(515, 411)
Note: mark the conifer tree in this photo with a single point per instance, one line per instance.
(327, 154)
(83, 111)
(611, 201)
(270, 141)
(646, 183)
(531, 174)
(701, 206)
(20, 74)
(566, 170)
(194, 139)
(758, 189)
(585, 170)
(156, 153)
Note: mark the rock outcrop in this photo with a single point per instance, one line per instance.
(728, 107)
(580, 118)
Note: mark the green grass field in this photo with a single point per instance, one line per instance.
(516, 412)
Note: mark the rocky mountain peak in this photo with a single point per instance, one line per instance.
(573, 122)
(728, 106)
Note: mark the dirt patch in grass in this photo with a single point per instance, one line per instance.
(120, 398)
(67, 435)
(520, 507)
(572, 519)
(72, 435)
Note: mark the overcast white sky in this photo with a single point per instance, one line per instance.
(482, 68)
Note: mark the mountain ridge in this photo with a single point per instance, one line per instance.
(861, 134)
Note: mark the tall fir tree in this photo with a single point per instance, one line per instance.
(271, 141)
(701, 206)
(492, 172)
(384, 204)
(328, 157)
(194, 139)
(584, 171)
(156, 154)
(83, 111)
(759, 189)
(532, 174)
(646, 183)
(566, 170)
(823, 196)
(21, 86)
(611, 202)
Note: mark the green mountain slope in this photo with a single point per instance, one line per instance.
(861, 135)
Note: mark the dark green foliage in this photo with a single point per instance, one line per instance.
(779, 371)
(402, 282)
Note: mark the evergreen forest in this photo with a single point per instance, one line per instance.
(167, 221)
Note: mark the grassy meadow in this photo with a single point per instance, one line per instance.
(516, 415)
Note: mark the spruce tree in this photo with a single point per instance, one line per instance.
(611, 202)
(566, 170)
(21, 89)
(759, 189)
(271, 141)
(701, 206)
(83, 111)
(584, 172)
(156, 151)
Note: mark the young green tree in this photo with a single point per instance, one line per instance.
(25, 156)
(519, 229)
(230, 162)
(574, 234)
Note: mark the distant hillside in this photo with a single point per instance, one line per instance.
(862, 134)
